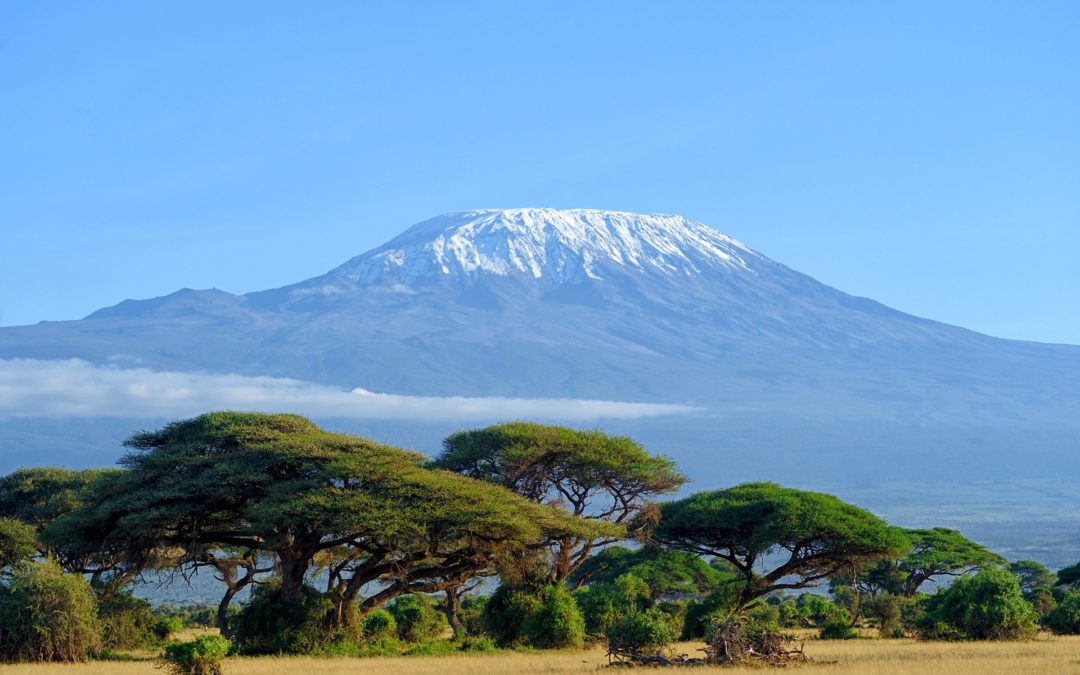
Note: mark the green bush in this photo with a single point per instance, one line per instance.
(603, 604)
(838, 630)
(505, 613)
(893, 613)
(557, 622)
(202, 656)
(985, 606)
(266, 625)
(46, 615)
(127, 622)
(379, 624)
(700, 614)
(1065, 618)
(166, 626)
(646, 631)
(431, 647)
(818, 610)
(417, 617)
(480, 643)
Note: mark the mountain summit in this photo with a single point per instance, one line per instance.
(562, 246)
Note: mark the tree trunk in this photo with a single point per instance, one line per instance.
(293, 571)
(451, 606)
(223, 612)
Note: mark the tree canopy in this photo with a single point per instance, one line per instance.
(280, 485)
(810, 535)
(589, 473)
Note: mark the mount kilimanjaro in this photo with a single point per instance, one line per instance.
(794, 379)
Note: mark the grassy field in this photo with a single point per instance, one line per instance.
(1047, 656)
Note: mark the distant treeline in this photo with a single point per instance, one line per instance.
(354, 547)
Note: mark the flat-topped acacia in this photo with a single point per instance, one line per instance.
(587, 472)
(810, 535)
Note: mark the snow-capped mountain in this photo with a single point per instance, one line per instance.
(619, 306)
(562, 246)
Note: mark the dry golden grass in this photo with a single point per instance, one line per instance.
(1049, 656)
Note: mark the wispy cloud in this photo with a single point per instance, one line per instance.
(76, 388)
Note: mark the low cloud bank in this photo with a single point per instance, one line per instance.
(76, 388)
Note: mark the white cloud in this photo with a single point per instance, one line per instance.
(76, 388)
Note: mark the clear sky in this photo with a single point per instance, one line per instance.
(924, 154)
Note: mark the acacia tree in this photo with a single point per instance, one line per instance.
(588, 473)
(279, 486)
(941, 552)
(801, 537)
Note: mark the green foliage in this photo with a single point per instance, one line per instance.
(202, 656)
(167, 626)
(471, 614)
(18, 545)
(604, 603)
(1065, 618)
(817, 610)
(646, 631)
(557, 622)
(837, 630)
(47, 615)
(379, 623)
(268, 625)
(416, 617)
(505, 614)
(127, 622)
(984, 606)
(477, 644)
(895, 614)
(663, 571)
(717, 605)
(817, 533)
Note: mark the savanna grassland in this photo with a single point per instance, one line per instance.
(1047, 655)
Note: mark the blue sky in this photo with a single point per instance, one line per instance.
(926, 155)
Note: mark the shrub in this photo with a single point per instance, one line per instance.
(892, 612)
(202, 656)
(1065, 618)
(265, 625)
(166, 626)
(505, 613)
(818, 610)
(557, 622)
(986, 606)
(603, 604)
(699, 615)
(838, 630)
(378, 624)
(46, 615)
(127, 622)
(644, 632)
(481, 643)
(430, 647)
(417, 617)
